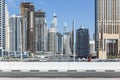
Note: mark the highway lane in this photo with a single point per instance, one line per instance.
(62, 74)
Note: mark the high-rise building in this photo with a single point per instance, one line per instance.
(27, 12)
(2, 25)
(107, 25)
(40, 31)
(7, 48)
(67, 41)
(59, 43)
(52, 36)
(82, 43)
(15, 33)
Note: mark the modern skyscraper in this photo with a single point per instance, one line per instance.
(82, 42)
(40, 31)
(7, 29)
(27, 12)
(67, 41)
(107, 25)
(52, 36)
(2, 25)
(59, 43)
(15, 34)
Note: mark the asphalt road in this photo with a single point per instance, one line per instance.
(61, 74)
(59, 78)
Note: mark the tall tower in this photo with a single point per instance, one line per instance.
(40, 31)
(27, 12)
(107, 25)
(7, 29)
(82, 42)
(2, 25)
(15, 34)
(52, 35)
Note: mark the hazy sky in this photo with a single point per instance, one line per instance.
(67, 10)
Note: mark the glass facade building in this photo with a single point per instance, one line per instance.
(82, 43)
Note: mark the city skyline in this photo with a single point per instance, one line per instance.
(64, 10)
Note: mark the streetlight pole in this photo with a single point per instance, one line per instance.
(21, 39)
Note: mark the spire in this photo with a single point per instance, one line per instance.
(65, 27)
(54, 21)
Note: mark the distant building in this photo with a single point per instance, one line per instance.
(67, 41)
(2, 25)
(52, 36)
(15, 34)
(7, 48)
(82, 42)
(52, 40)
(92, 48)
(27, 12)
(40, 31)
(59, 43)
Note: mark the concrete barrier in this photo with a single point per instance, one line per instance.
(60, 66)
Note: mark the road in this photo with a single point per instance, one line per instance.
(61, 74)
(59, 78)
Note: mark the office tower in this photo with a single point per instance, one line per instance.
(27, 12)
(67, 39)
(107, 25)
(7, 35)
(82, 42)
(52, 45)
(40, 31)
(59, 43)
(52, 36)
(15, 33)
(2, 25)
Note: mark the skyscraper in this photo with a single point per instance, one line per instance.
(67, 41)
(27, 12)
(107, 25)
(82, 42)
(15, 34)
(7, 29)
(2, 25)
(52, 36)
(59, 43)
(40, 31)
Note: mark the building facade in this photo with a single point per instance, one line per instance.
(15, 33)
(59, 43)
(52, 39)
(40, 31)
(92, 48)
(27, 12)
(107, 25)
(7, 48)
(82, 43)
(52, 35)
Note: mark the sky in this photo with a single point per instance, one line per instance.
(82, 11)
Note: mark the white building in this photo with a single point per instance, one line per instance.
(52, 36)
(7, 48)
(92, 48)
